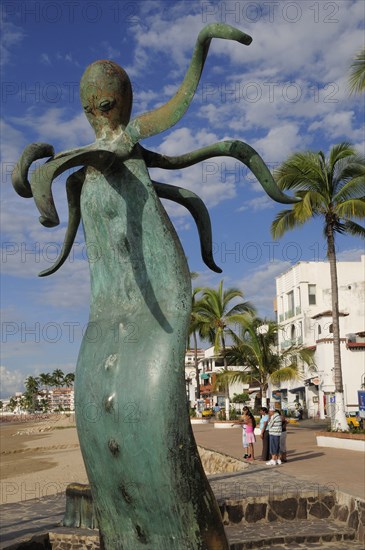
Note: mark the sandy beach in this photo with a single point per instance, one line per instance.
(39, 458)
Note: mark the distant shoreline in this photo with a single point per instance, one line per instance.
(36, 417)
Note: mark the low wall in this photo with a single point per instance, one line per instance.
(217, 463)
(222, 424)
(336, 440)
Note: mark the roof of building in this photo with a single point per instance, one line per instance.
(328, 313)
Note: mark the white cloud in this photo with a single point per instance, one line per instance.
(257, 204)
(11, 36)
(11, 381)
(12, 143)
(45, 59)
(338, 124)
(54, 126)
(280, 142)
(259, 285)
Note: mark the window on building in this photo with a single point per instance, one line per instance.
(330, 328)
(319, 330)
(291, 302)
(312, 295)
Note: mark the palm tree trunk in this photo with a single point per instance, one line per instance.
(197, 393)
(339, 420)
(226, 385)
(263, 391)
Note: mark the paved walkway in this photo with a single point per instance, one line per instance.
(336, 469)
(309, 468)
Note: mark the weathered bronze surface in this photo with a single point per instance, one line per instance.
(147, 481)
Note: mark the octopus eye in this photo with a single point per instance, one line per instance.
(106, 104)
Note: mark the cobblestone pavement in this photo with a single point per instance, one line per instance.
(346, 545)
(289, 532)
(22, 520)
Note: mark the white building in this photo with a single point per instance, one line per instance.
(304, 310)
(211, 363)
(61, 398)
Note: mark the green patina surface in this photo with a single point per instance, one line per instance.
(146, 477)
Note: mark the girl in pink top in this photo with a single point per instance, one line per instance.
(250, 423)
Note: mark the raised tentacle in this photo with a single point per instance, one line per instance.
(74, 185)
(199, 211)
(154, 122)
(42, 178)
(230, 148)
(31, 153)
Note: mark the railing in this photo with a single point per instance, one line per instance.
(289, 313)
(287, 343)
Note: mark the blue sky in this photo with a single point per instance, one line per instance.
(285, 92)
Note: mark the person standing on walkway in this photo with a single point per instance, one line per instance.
(275, 429)
(250, 435)
(264, 420)
(283, 438)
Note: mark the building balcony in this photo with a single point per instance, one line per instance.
(289, 314)
(287, 343)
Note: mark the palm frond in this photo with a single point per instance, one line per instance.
(301, 171)
(357, 73)
(225, 377)
(352, 208)
(354, 228)
(352, 187)
(283, 222)
(285, 374)
(340, 151)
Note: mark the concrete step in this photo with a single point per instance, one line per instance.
(291, 533)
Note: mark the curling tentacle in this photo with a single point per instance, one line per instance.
(198, 210)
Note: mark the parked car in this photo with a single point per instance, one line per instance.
(207, 413)
(353, 419)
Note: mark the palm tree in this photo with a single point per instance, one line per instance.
(31, 391)
(357, 73)
(13, 403)
(256, 350)
(69, 379)
(217, 315)
(58, 377)
(196, 321)
(46, 380)
(332, 188)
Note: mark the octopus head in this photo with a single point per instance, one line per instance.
(106, 96)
